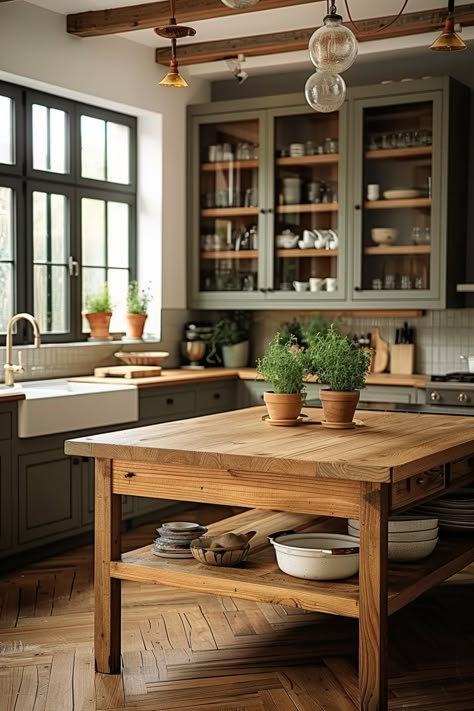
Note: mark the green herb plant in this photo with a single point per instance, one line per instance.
(284, 364)
(337, 363)
(233, 329)
(137, 299)
(99, 301)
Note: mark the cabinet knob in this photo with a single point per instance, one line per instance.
(270, 289)
(76, 461)
(420, 480)
(435, 396)
(216, 396)
(169, 401)
(263, 211)
(269, 210)
(356, 207)
(357, 288)
(462, 397)
(264, 291)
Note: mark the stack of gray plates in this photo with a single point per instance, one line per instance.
(174, 539)
(455, 510)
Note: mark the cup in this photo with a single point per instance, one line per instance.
(308, 239)
(212, 154)
(315, 283)
(331, 284)
(300, 285)
(373, 192)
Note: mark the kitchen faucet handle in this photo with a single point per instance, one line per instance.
(19, 368)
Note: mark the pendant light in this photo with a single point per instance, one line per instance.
(333, 47)
(325, 92)
(173, 31)
(239, 4)
(448, 41)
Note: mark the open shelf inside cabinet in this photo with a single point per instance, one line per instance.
(398, 249)
(324, 159)
(229, 254)
(318, 207)
(229, 211)
(230, 165)
(260, 578)
(395, 204)
(299, 253)
(383, 153)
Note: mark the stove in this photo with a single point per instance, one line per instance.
(451, 389)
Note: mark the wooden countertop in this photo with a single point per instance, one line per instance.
(386, 447)
(180, 377)
(8, 396)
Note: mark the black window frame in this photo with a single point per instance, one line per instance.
(24, 179)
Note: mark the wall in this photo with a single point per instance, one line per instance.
(115, 72)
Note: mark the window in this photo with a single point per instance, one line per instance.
(67, 210)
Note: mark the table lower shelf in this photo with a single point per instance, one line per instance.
(260, 578)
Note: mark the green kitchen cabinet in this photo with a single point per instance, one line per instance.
(279, 215)
(6, 511)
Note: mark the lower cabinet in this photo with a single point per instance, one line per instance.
(6, 509)
(49, 496)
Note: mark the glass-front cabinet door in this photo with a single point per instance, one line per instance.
(228, 234)
(306, 241)
(396, 221)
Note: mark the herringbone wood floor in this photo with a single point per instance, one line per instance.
(202, 653)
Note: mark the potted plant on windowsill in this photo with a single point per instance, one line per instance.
(231, 339)
(137, 309)
(98, 312)
(343, 367)
(284, 365)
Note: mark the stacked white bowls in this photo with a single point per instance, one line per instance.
(410, 538)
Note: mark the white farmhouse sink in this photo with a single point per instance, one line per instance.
(53, 406)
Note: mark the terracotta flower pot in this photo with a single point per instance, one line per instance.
(339, 408)
(99, 321)
(135, 325)
(283, 406)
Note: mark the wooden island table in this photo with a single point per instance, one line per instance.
(304, 478)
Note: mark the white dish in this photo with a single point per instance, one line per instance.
(384, 235)
(286, 241)
(403, 536)
(316, 556)
(402, 194)
(409, 551)
(404, 523)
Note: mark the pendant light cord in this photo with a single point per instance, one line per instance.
(379, 29)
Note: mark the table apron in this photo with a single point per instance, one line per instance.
(231, 487)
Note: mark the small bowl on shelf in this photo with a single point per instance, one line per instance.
(226, 550)
(384, 235)
(403, 193)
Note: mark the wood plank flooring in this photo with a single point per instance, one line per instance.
(190, 652)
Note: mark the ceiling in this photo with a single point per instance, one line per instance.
(265, 22)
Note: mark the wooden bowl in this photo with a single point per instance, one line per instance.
(223, 557)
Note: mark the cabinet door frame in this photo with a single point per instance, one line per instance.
(6, 502)
(321, 299)
(222, 299)
(399, 298)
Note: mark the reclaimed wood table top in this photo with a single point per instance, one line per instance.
(385, 447)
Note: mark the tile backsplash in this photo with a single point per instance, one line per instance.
(68, 360)
(440, 336)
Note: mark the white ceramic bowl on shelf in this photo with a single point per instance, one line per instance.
(403, 536)
(404, 523)
(402, 193)
(316, 556)
(384, 235)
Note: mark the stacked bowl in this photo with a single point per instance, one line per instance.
(174, 539)
(410, 537)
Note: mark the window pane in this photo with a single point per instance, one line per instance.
(92, 148)
(6, 223)
(40, 137)
(49, 139)
(59, 229)
(118, 153)
(118, 285)
(6, 290)
(117, 233)
(40, 227)
(51, 298)
(6, 130)
(93, 232)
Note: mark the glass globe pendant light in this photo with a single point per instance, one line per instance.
(333, 47)
(325, 92)
(239, 4)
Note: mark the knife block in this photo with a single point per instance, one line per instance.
(402, 359)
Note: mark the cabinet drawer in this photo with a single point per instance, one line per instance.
(168, 405)
(418, 487)
(217, 399)
(5, 425)
(461, 468)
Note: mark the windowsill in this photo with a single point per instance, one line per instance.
(91, 344)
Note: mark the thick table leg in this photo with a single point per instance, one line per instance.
(107, 590)
(373, 616)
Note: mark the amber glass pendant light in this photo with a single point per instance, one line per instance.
(173, 31)
(448, 41)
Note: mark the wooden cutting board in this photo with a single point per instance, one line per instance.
(381, 352)
(128, 371)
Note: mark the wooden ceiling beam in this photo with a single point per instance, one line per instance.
(153, 14)
(411, 23)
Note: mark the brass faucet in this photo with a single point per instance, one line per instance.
(9, 368)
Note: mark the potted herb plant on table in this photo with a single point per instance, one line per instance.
(98, 312)
(343, 367)
(137, 309)
(230, 338)
(284, 365)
